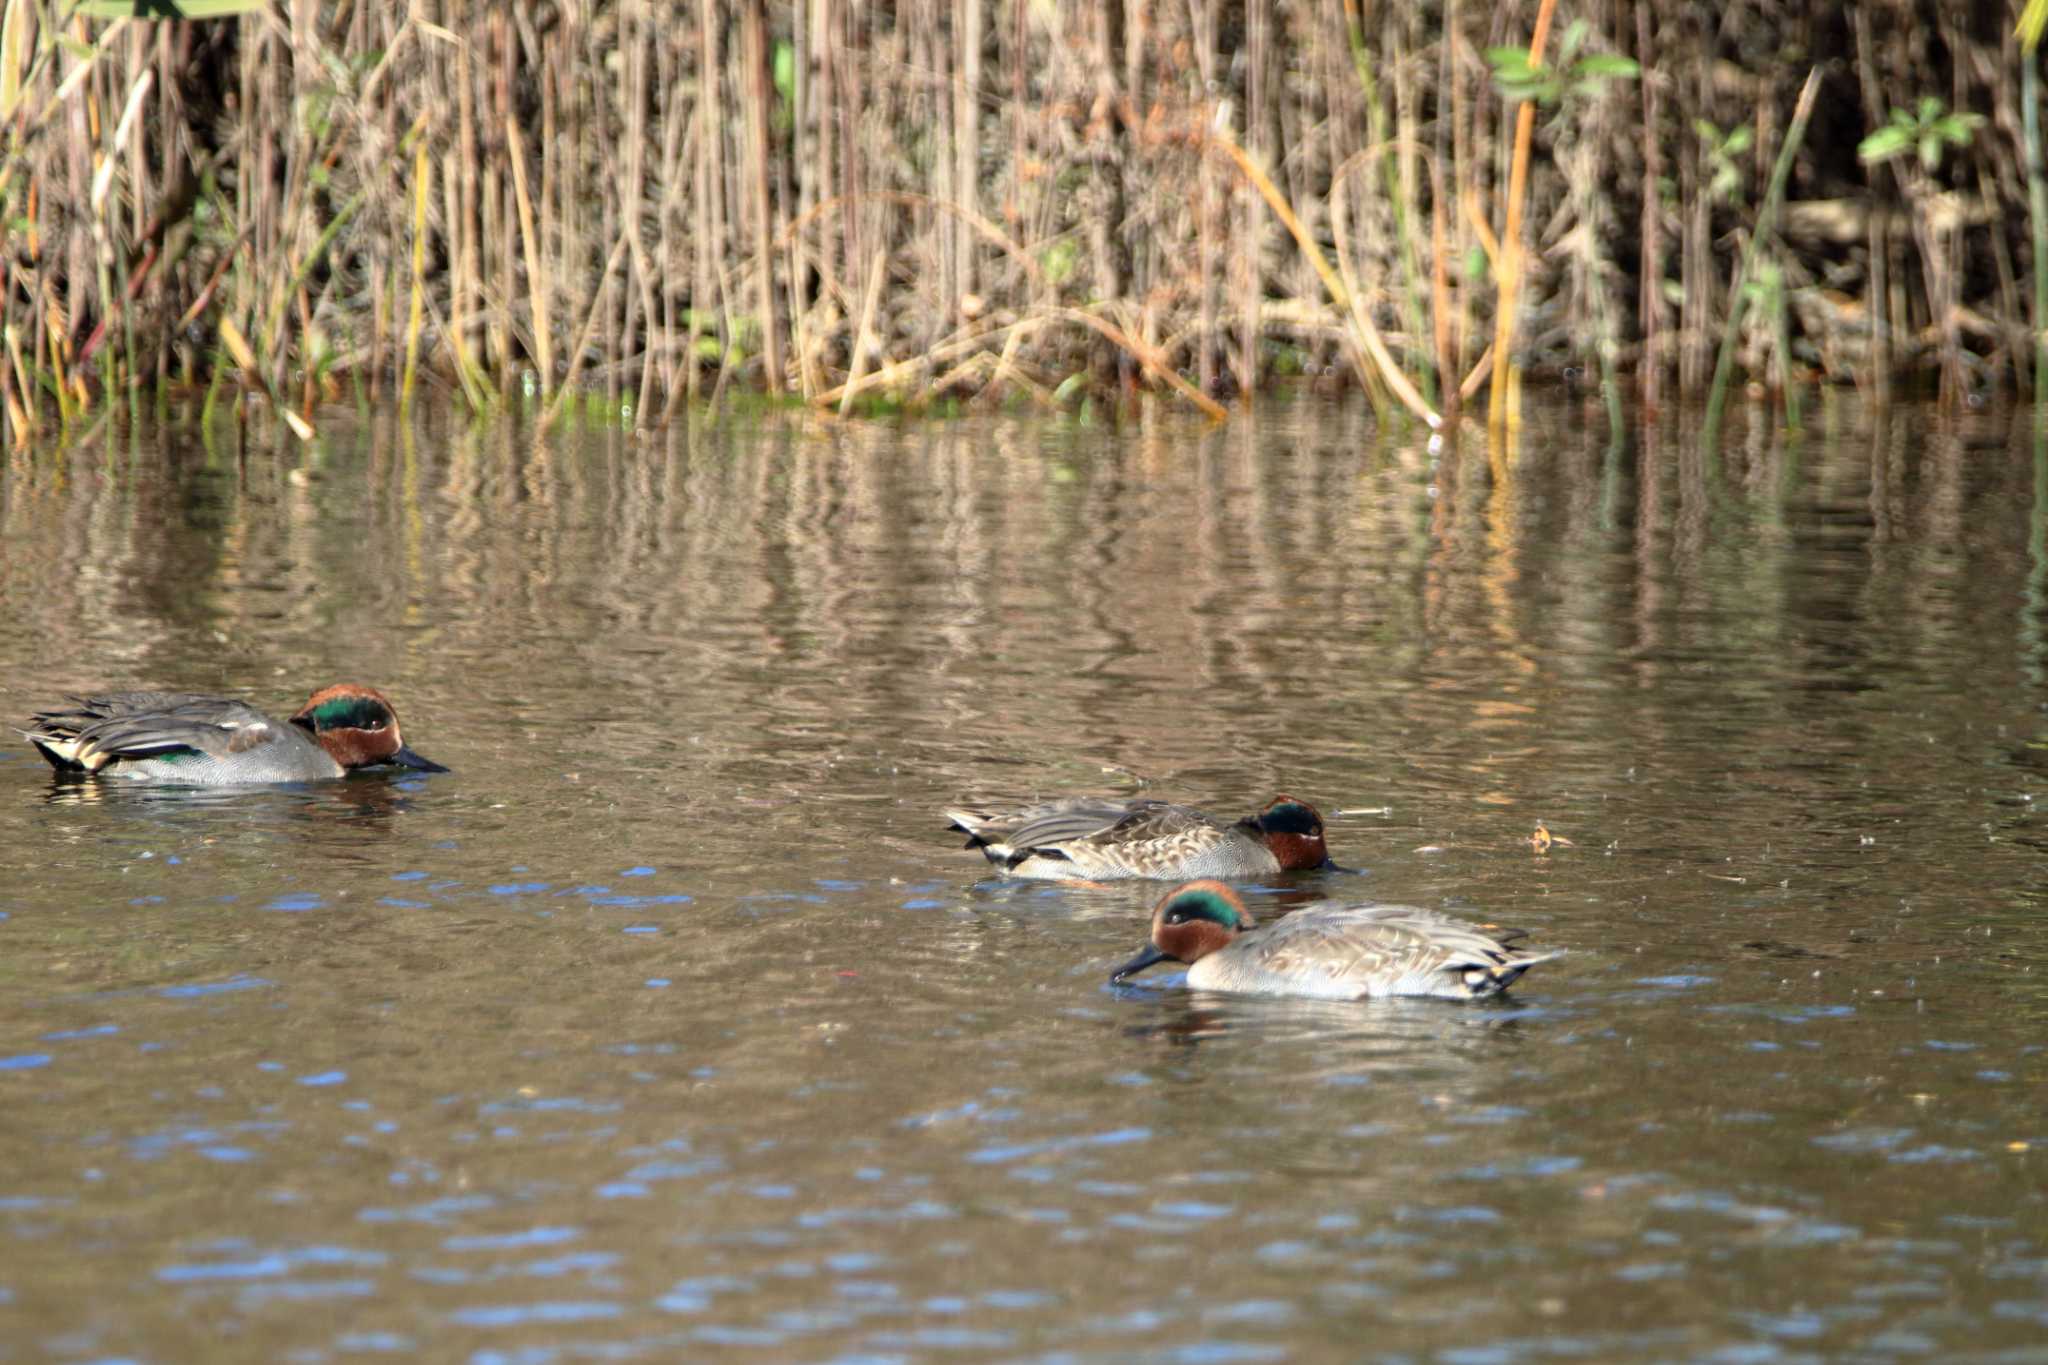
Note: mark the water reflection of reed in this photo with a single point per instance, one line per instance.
(1034, 599)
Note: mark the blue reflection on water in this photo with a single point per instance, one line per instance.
(517, 1314)
(506, 1241)
(196, 989)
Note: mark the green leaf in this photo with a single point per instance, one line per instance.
(1539, 86)
(785, 70)
(2033, 19)
(1885, 143)
(1058, 261)
(1605, 64)
(1739, 140)
(1959, 128)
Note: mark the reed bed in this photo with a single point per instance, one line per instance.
(867, 206)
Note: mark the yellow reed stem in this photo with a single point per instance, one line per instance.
(422, 180)
(1508, 264)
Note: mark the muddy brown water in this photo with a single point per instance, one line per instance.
(673, 1025)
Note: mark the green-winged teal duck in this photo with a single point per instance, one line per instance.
(1330, 952)
(1097, 840)
(218, 741)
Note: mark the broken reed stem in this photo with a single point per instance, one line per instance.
(1766, 225)
(1150, 359)
(1368, 334)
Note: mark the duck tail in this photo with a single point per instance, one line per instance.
(970, 823)
(982, 834)
(60, 750)
(1493, 978)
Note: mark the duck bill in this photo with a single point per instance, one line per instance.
(406, 758)
(1137, 964)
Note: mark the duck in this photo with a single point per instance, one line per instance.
(191, 739)
(1329, 951)
(1104, 840)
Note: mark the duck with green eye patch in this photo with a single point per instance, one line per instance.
(194, 740)
(1328, 952)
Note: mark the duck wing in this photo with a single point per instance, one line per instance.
(1049, 822)
(1389, 950)
(97, 731)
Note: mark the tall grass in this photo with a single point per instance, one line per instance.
(857, 204)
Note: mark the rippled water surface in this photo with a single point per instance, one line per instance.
(672, 1024)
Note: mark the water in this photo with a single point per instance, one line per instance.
(673, 1024)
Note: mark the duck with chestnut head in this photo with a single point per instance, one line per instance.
(190, 739)
(1329, 952)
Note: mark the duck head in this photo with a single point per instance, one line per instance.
(1189, 923)
(358, 728)
(1293, 830)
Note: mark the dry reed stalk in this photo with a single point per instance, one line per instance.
(705, 128)
(1149, 359)
(536, 281)
(756, 89)
(1074, 165)
(2037, 210)
(943, 353)
(1397, 180)
(1246, 259)
(500, 211)
(1006, 370)
(1509, 261)
(238, 347)
(553, 411)
(1440, 295)
(870, 296)
(1650, 273)
(1340, 242)
(21, 405)
(967, 136)
(422, 188)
